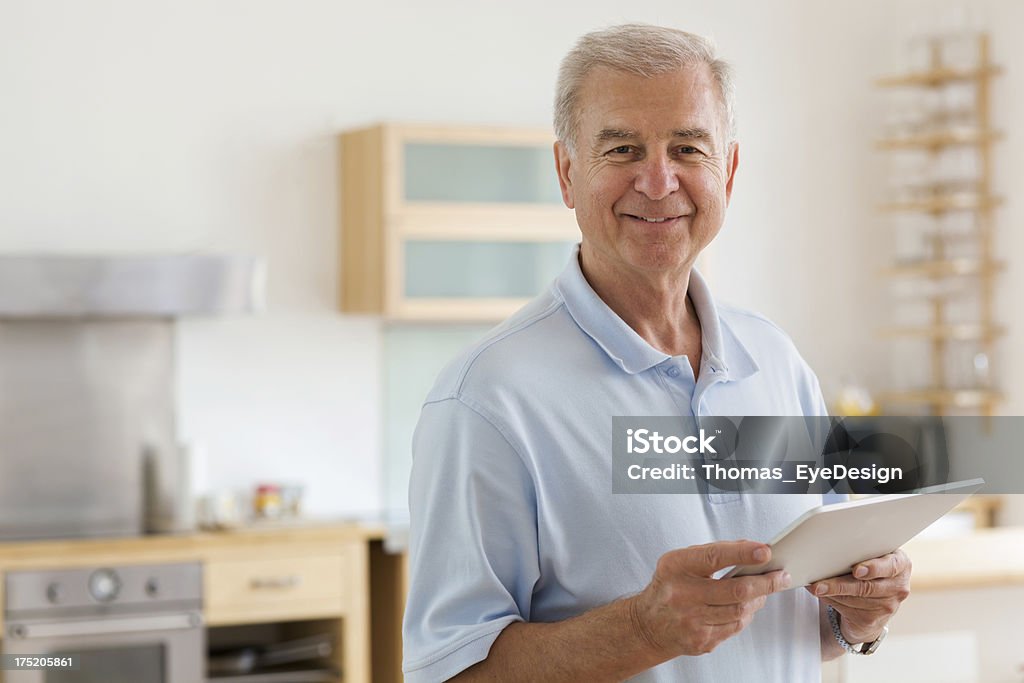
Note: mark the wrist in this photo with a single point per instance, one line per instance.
(867, 645)
(640, 626)
(856, 636)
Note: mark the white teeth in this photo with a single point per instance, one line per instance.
(653, 220)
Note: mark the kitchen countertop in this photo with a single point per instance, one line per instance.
(984, 557)
(50, 554)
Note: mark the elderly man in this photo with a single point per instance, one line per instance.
(525, 567)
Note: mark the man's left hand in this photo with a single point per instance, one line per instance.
(867, 597)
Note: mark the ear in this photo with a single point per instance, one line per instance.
(732, 162)
(562, 167)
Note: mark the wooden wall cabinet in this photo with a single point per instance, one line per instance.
(449, 223)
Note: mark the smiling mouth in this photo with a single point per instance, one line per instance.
(652, 219)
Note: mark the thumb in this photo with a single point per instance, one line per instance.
(705, 560)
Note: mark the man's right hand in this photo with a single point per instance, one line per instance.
(683, 611)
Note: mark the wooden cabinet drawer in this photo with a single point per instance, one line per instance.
(271, 589)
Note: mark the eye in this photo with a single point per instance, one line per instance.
(621, 149)
(687, 149)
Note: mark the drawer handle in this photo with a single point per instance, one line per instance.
(275, 582)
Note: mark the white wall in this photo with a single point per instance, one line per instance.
(131, 126)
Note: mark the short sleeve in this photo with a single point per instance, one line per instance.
(821, 437)
(811, 397)
(473, 555)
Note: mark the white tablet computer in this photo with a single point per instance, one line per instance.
(828, 540)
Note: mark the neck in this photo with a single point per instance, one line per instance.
(655, 306)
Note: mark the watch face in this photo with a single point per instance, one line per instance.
(868, 648)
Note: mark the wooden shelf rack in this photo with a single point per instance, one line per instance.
(937, 201)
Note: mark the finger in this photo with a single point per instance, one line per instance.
(746, 588)
(893, 564)
(841, 586)
(717, 615)
(712, 636)
(864, 605)
(705, 560)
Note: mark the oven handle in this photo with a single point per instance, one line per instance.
(109, 625)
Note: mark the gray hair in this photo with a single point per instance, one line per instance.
(641, 49)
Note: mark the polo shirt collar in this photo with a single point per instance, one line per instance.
(629, 350)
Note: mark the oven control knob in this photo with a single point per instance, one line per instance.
(152, 587)
(104, 585)
(54, 593)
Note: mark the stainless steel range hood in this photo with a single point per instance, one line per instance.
(87, 404)
(47, 286)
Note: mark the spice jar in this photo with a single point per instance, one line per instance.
(267, 502)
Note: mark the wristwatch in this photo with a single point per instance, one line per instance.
(865, 648)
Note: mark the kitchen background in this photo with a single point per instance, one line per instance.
(181, 127)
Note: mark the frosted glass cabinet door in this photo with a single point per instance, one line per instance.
(468, 269)
(414, 356)
(449, 172)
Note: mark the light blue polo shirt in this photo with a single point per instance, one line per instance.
(511, 505)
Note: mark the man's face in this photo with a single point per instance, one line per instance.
(652, 173)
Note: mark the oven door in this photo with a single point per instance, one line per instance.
(166, 648)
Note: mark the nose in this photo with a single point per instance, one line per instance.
(656, 177)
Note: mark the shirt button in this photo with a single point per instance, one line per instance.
(673, 372)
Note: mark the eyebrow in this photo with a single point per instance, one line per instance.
(609, 134)
(692, 134)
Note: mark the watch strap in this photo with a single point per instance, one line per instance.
(865, 648)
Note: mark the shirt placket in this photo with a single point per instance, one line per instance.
(712, 372)
(678, 379)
